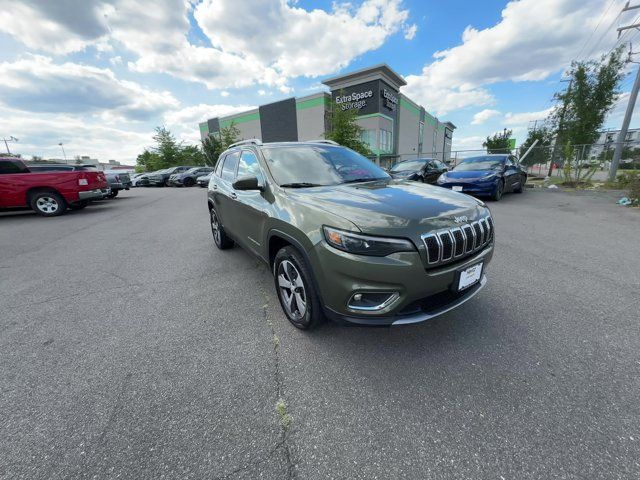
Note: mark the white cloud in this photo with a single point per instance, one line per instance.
(184, 121)
(40, 135)
(53, 26)
(37, 84)
(522, 118)
(224, 93)
(533, 39)
(294, 41)
(276, 40)
(483, 116)
(410, 32)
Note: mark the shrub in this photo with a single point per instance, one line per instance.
(634, 189)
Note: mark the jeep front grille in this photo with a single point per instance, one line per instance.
(454, 243)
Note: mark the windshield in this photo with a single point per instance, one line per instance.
(307, 166)
(481, 163)
(408, 166)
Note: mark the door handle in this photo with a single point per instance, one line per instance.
(233, 195)
(214, 186)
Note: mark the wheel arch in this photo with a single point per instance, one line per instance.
(43, 189)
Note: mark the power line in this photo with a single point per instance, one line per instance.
(604, 14)
(595, 45)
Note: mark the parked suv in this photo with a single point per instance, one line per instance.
(161, 177)
(345, 240)
(188, 178)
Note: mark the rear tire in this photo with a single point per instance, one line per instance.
(113, 194)
(48, 204)
(220, 238)
(497, 195)
(295, 288)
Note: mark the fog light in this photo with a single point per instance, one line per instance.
(371, 301)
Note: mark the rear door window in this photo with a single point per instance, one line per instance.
(219, 165)
(8, 167)
(230, 165)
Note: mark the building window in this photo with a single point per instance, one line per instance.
(369, 137)
(386, 141)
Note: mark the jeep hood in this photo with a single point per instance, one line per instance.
(394, 207)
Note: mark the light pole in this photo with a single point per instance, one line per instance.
(10, 139)
(63, 154)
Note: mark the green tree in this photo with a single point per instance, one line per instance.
(582, 109)
(541, 153)
(345, 130)
(167, 148)
(148, 161)
(192, 155)
(212, 148)
(499, 143)
(228, 135)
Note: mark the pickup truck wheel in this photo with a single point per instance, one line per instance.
(79, 205)
(296, 291)
(48, 204)
(220, 238)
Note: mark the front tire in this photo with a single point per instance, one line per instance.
(295, 288)
(520, 188)
(189, 182)
(220, 238)
(48, 204)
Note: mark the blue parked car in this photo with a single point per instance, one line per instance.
(487, 175)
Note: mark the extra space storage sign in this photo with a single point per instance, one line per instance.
(355, 100)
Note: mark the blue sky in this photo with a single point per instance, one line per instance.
(99, 76)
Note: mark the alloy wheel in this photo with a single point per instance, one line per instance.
(215, 227)
(291, 289)
(47, 205)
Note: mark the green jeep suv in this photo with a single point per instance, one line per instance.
(343, 239)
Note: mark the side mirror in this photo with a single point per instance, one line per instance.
(247, 182)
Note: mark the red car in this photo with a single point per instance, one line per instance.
(47, 193)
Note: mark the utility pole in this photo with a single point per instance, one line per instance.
(558, 141)
(617, 154)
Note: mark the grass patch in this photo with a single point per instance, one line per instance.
(285, 418)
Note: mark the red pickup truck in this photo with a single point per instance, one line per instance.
(47, 193)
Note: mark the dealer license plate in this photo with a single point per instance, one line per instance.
(470, 276)
(456, 188)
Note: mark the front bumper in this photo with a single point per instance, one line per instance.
(90, 194)
(422, 293)
(475, 188)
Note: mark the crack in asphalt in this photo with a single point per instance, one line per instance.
(283, 444)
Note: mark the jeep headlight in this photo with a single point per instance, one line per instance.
(364, 244)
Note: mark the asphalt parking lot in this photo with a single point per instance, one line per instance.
(131, 348)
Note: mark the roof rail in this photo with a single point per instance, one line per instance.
(251, 141)
(324, 140)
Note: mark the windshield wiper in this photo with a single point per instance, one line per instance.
(300, 185)
(355, 180)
